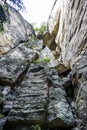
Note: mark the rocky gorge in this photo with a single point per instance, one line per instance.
(43, 83)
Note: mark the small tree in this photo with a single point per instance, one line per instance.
(43, 28)
(40, 30)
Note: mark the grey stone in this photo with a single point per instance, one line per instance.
(46, 52)
(79, 79)
(6, 90)
(68, 24)
(36, 45)
(31, 104)
(2, 123)
(75, 129)
(7, 106)
(16, 29)
(42, 99)
(59, 111)
(15, 63)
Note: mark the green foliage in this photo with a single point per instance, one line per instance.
(41, 29)
(36, 127)
(44, 60)
(2, 16)
(1, 115)
(5, 6)
(32, 38)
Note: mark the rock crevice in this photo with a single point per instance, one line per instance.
(48, 93)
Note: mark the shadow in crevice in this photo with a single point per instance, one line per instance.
(2, 17)
(2, 14)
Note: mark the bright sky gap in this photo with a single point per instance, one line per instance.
(37, 11)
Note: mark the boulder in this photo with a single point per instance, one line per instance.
(46, 52)
(59, 111)
(53, 62)
(15, 63)
(49, 41)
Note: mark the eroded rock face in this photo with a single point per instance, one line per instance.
(59, 111)
(32, 101)
(15, 63)
(68, 23)
(34, 93)
(15, 28)
(46, 52)
(49, 41)
(2, 123)
(80, 82)
(42, 100)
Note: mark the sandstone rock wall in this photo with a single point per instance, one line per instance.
(68, 23)
(15, 28)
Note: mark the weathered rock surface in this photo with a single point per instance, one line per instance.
(42, 100)
(46, 52)
(2, 123)
(8, 97)
(49, 41)
(80, 82)
(31, 104)
(36, 45)
(68, 23)
(15, 28)
(32, 93)
(15, 63)
(59, 111)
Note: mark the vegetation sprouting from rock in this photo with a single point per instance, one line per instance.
(41, 29)
(44, 60)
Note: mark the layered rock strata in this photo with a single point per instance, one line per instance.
(68, 24)
(42, 100)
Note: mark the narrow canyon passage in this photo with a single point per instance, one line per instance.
(43, 77)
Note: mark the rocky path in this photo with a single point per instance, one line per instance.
(32, 93)
(42, 100)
